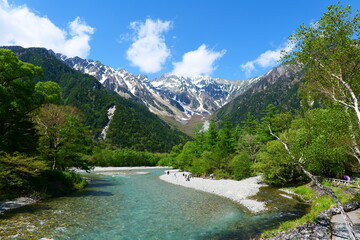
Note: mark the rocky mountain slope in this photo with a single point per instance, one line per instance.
(279, 87)
(169, 95)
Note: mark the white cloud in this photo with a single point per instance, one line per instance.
(198, 62)
(267, 59)
(149, 51)
(21, 26)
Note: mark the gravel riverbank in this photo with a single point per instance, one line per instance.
(238, 191)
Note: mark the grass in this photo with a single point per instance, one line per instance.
(318, 204)
(305, 192)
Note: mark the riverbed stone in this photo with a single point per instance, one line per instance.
(308, 231)
(322, 228)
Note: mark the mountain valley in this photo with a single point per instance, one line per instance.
(187, 102)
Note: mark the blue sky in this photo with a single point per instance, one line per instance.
(232, 39)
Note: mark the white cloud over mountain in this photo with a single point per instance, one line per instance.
(19, 25)
(198, 62)
(267, 59)
(148, 50)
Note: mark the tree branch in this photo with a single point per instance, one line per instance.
(328, 191)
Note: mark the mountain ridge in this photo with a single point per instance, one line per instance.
(168, 95)
(279, 87)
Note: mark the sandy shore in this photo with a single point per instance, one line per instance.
(238, 191)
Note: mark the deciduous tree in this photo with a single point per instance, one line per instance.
(329, 52)
(17, 100)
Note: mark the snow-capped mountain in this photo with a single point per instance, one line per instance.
(199, 94)
(168, 95)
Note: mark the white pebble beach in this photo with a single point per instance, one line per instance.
(238, 191)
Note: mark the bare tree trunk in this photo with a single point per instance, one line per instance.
(328, 191)
(354, 144)
(54, 165)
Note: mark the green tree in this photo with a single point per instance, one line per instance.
(276, 165)
(75, 146)
(250, 124)
(212, 135)
(226, 142)
(319, 139)
(64, 140)
(17, 100)
(248, 139)
(16, 171)
(241, 166)
(49, 91)
(299, 160)
(329, 52)
(186, 157)
(263, 130)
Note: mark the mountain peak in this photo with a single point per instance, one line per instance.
(170, 95)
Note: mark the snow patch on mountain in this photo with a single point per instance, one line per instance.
(168, 95)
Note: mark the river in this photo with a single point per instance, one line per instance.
(135, 206)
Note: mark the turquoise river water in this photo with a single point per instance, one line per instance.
(144, 207)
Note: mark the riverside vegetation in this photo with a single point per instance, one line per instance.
(42, 137)
(321, 138)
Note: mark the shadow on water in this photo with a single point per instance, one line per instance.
(99, 183)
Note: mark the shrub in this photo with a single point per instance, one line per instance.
(241, 166)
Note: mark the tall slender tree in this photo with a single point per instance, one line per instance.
(329, 52)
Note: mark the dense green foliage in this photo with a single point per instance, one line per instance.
(34, 141)
(17, 100)
(65, 142)
(226, 152)
(133, 125)
(57, 183)
(16, 172)
(329, 52)
(125, 158)
(319, 136)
